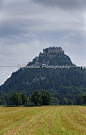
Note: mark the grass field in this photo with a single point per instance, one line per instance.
(45, 120)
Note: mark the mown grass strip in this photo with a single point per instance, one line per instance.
(45, 120)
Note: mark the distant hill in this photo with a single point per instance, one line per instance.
(52, 71)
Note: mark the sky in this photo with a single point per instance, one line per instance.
(28, 26)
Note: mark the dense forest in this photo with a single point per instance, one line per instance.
(65, 85)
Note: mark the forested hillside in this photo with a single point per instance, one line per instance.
(67, 81)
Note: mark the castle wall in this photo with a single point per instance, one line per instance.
(57, 50)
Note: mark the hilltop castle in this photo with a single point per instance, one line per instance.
(50, 50)
(53, 49)
(49, 53)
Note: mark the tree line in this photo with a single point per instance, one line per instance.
(36, 98)
(41, 98)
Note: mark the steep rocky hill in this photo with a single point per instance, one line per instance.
(53, 71)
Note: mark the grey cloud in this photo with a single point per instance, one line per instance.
(9, 32)
(26, 27)
(1, 4)
(65, 4)
(23, 17)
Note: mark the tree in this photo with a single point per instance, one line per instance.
(0, 101)
(77, 100)
(16, 98)
(70, 102)
(74, 101)
(84, 98)
(68, 82)
(4, 102)
(36, 98)
(65, 101)
(46, 98)
(24, 98)
(55, 101)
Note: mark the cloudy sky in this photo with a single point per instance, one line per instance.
(28, 26)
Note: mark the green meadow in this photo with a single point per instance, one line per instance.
(44, 120)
